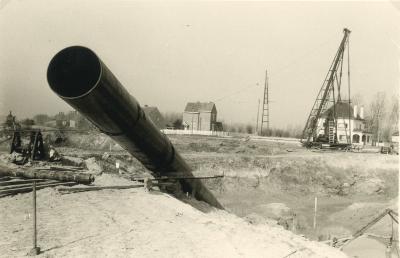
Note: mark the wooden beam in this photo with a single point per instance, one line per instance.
(7, 178)
(20, 181)
(28, 189)
(65, 176)
(175, 178)
(29, 184)
(96, 188)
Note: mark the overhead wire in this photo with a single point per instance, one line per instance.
(236, 92)
(281, 69)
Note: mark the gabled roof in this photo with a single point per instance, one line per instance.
(342, 111)
(155, 116)
(199, 107)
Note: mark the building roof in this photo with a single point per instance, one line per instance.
(155, 116)
(199, 107)
(342, 111)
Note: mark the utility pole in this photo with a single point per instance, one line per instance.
(265, 110)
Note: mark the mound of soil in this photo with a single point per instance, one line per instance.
(132, 223)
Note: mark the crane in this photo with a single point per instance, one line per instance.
(393, 215)
(327, 94)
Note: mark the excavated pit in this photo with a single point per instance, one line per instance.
(283, 188)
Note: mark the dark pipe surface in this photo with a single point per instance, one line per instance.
(81, 79)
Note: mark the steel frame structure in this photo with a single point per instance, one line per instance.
(332, 83)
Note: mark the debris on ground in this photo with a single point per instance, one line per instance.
(132, 223)
(93, 166)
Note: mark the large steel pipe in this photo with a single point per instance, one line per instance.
(78, 76)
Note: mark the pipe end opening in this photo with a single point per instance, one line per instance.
(73, 71)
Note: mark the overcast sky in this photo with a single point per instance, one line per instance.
(167, 54)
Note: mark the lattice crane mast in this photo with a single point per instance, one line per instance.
(327, 94)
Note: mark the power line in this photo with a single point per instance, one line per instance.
(236, 92)
(280, 70)
(301, 58)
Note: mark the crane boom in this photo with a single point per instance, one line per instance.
(391, 213)
(321, 102)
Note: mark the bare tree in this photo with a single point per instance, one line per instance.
(394, 113)
(392, 119)
(249, 129)
(357, 99)
(171, 118)
(378, 112)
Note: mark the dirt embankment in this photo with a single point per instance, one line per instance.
(343, 174)
(284, 187)
(273, 179)
(132, 223)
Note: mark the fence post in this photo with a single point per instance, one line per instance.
(35, 250)
(315, 212)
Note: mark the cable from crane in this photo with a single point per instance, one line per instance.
(392, 239)
(348, 86)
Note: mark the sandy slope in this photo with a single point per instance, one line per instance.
(133, 223)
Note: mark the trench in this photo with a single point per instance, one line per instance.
(264, 183)
(282, 191)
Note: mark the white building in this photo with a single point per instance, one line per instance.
(358, 131)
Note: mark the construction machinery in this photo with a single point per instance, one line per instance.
(341, 243)
(322, 123)
(34, 150)
(78, 76)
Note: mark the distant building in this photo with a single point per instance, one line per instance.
(155, 116)
(61, 120)
(359, 132)
(65, 120)
(201, 116)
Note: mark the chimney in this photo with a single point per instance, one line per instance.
(355, 111)
(362, 112)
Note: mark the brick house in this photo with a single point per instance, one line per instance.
(200, 116)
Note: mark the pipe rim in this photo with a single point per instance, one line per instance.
(57, 68)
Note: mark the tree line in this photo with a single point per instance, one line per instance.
(382, 115)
